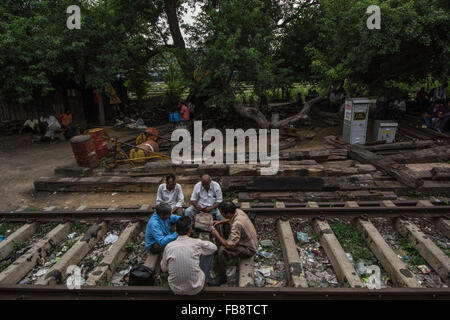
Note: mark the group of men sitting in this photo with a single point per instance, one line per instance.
(48, 125)
(187, 260)
(438, 116)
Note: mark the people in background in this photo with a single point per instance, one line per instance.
(51, 125)
(439, 93)
(171, 193)
(433, 114)
(381, 107)
(158, 232)
(206, 197)
(422, 99)
(66, 122)
(191, 108)
(333, 100)
(241, 242)
(184, 111)
(30, 125)
(300, 102)
(187, 260)
(443, 120)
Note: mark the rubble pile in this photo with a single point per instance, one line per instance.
(136, 255)
(315, 263)
(269, 269)
(96, 255)
(57, 251)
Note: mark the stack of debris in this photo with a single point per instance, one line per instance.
(10, 127)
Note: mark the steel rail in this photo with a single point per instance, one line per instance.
(321, 212)
(406, 211)
(24, 292)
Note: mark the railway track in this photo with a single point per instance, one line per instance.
(41, 245)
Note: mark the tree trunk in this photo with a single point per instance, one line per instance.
(256, 115)
(170, 7)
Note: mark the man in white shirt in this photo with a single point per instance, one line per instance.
(171, 193)
(52, 125)
(206, 197)
(187, 260)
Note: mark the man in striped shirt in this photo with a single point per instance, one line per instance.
(187, 260)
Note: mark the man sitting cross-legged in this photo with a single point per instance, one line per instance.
(187, 260)
(206, 197)
(171, 194)
(242, 241)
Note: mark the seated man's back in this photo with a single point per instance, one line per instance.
(187, 260)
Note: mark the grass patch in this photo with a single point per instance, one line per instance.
(131, 247)
(414, 193)
(45, 228)
(18, 245)
(80, 227)
(5, 227)
(32, 209)
(164, 276)
(445, 250)
(2, 267)
(414, 257)
(233, 262)
(353, 242)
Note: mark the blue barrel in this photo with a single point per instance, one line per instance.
(174, 117)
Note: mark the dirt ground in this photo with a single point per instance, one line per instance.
(22, 162)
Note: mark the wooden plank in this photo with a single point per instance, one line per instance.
(344, 269)
(246, 273)
(58, 272)
(441, 223)
(444, 226)
(441, 173)
(20, 235)
(437, 259)
(400, 173)
(152, 261)
(364, 195)
(396, 269)
(296, 276)
(401, 145)
(106, 268)
(19, 268)
(422, 156)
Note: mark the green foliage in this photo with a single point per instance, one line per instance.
(353, 242)
(80, 227)
(18, 245)
(331, 42)
(32, 209)
(414, 257)
(45, 228)
(4, 227)
(131, 247)
(37, 50)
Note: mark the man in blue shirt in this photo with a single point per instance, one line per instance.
(157, 233)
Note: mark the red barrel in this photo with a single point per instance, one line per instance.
(100, 142)
(153, 133)
(84, 151)
(149, 145)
